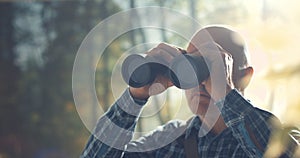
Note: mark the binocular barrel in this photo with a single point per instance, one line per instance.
(185, 70)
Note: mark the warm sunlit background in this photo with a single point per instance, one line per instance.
(38, 45)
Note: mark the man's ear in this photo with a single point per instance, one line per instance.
(245, 77)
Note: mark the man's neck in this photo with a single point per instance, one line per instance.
(216, 127)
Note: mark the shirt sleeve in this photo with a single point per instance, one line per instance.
(114, 129)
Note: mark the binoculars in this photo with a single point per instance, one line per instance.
(185, 70)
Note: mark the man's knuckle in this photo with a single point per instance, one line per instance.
(162, 44)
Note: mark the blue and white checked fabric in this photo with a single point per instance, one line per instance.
(113, 134)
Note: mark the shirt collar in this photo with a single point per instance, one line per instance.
(193, 124)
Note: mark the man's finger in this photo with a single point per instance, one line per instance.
(173, 51)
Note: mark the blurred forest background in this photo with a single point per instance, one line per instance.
(39, 41)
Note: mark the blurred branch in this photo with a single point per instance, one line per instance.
(285, 72)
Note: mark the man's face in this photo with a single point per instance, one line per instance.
(198, 98)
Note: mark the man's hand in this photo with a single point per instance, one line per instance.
(164, 54)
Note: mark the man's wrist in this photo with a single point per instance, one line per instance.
(138, 97)
(139, 93)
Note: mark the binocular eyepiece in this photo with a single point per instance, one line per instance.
(185, 70)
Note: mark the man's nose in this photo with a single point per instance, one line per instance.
(203, 82)
(202, 86)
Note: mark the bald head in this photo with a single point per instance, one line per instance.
(228, 39)
(233, 43)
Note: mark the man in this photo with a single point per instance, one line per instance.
(225, 123)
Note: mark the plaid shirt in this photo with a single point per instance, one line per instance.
(114, 131)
